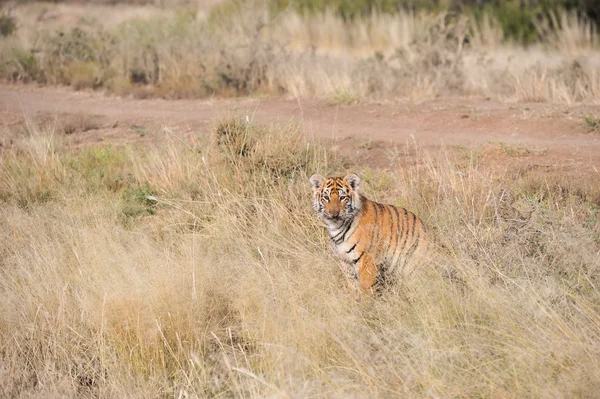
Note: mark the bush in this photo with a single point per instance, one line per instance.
(18, 63)
(78, 57)
(279, 151)
(7, 25)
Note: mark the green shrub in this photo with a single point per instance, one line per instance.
(350, 9)
(77, 56)
(102, 167)
(18, 64)
(518, 23)
(592, 123)
(82, 75)
(7, 25)
(137, 202)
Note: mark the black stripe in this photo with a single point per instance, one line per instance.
(397, 230)
(360, 256)
(412, 234)
(391, 225)
(345, 228)
(350, 250)
(385, 211)
(356, 223)
(349, 224)
(413, 247)
(342, 230)
(375, 229)
(404, 230)
(370, 239)
(414, 226)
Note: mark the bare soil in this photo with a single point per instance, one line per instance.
(550, 139)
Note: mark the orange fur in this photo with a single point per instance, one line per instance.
(374, 240)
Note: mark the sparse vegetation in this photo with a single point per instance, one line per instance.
(515, 150)
(345, 97)
(379, 55)
(592, 123)
(197, 269)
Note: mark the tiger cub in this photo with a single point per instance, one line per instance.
(374, 240)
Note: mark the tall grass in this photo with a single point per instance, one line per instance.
(241, 48)
(196, 268)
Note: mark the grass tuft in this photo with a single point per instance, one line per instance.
(279, 151)
(592, 123)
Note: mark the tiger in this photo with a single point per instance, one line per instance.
(374, 241)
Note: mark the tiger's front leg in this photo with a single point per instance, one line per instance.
(367, 274)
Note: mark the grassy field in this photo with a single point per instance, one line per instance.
(243, 47)
(195, 268)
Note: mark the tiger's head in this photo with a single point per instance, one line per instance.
(336, 198)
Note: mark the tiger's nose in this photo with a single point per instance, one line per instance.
(334, 214)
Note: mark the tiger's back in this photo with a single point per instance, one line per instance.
(389, 235)
(378, 242)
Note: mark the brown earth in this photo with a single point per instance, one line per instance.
(550, 139)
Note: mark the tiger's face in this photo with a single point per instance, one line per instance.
(335, 198)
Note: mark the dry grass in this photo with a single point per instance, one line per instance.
(187, 52)
(196, 269)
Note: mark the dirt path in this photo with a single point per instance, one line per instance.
(557, 132)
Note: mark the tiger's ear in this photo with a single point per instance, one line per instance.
(317, 181)
(353, 180)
